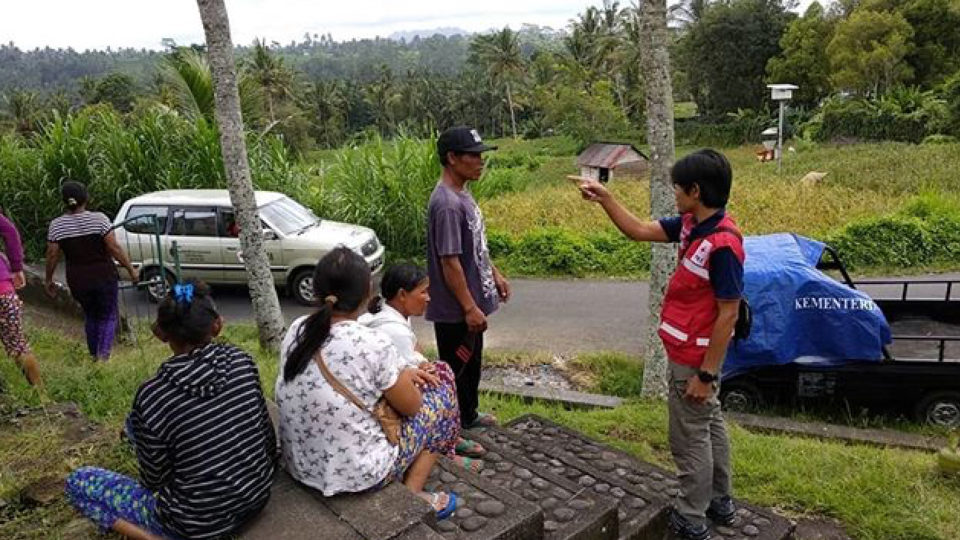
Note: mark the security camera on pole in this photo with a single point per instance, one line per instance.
(781, 93)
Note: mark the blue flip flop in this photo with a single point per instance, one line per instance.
(450, 508)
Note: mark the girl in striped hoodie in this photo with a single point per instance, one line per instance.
(204, 441)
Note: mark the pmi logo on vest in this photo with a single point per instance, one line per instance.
(834, 304)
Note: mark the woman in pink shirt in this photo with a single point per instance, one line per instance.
(11, 307)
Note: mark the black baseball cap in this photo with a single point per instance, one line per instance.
(461, 139)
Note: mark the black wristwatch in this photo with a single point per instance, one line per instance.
(706, 376)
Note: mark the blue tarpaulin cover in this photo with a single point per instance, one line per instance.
(801, 314)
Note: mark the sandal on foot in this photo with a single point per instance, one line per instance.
(433, 499)
(483, 420)
(466, 447)
(468, 463)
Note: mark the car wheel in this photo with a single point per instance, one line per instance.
(740, 396)
(301, 287)
(941, 409)
(156, 283)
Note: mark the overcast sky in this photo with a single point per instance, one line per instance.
(96, 24)
(85, 24)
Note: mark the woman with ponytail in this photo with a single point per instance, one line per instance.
(87, 240)
(330, 442)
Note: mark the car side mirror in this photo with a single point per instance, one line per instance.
(268, 234)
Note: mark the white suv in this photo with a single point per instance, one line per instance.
(201, 222)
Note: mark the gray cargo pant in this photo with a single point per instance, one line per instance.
(698, 442)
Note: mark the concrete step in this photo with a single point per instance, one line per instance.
(641, 513)
(485, 511)
(296, 512)
(570, 512)
(599, 465)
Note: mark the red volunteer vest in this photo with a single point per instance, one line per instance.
(689, 306)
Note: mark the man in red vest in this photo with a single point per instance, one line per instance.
(699, 314)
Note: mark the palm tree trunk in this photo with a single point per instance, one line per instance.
(655, 62)
(513, 118)
(263, 294)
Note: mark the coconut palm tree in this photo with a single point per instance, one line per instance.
(21, 110)
(687, 12)
(655, 64)
(263, 294)
(275, 78)
(499, 53)
(187, 86)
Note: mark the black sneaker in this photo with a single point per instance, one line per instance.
(722, 511)
(684, 530)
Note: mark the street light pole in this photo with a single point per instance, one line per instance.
(780, 140)
(781, 93)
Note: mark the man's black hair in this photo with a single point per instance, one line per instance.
(710, 171)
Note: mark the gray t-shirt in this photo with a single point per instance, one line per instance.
(455, 227)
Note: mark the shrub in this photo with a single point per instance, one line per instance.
(925, 232)
(742, 127)
(555, 251)
(508, 159)
(939, 139)
(901, 115)
(502, 180)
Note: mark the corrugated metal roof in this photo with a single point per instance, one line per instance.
(609, 155)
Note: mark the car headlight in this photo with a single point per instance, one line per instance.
(370, 247)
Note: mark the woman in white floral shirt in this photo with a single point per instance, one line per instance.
(328, 442)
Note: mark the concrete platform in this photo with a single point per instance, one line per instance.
(607, 465)
(296, 512)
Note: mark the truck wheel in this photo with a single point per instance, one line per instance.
(162, 282)
(740, 396)
(301, 287)
(941, 409)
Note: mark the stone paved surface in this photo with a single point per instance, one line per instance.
(485, 511)
(609, 467)
(640, 511)
(569, 510)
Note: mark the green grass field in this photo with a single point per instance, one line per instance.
(876, 493)
(863, 180)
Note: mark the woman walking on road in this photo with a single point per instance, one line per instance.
(11, 307)
(90, 247)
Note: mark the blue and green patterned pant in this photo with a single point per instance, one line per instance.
(105, 496)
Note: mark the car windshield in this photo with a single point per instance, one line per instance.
(288, 216)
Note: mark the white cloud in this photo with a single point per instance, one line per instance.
(97, 24)
(143, 23)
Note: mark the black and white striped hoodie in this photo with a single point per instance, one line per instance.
(204, 441)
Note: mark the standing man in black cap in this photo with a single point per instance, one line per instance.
(465, 286)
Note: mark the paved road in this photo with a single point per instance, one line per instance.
(547, 315)
(554, 315)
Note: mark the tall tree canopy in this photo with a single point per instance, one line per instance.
(867, 52)
(804, 59)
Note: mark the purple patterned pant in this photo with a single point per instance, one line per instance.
(99, 304)
(435, 428)
(105, 496)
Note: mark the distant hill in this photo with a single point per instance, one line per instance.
(446, 31)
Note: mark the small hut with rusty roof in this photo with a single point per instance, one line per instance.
(600, 159)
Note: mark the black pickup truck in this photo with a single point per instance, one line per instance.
(919, 374)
